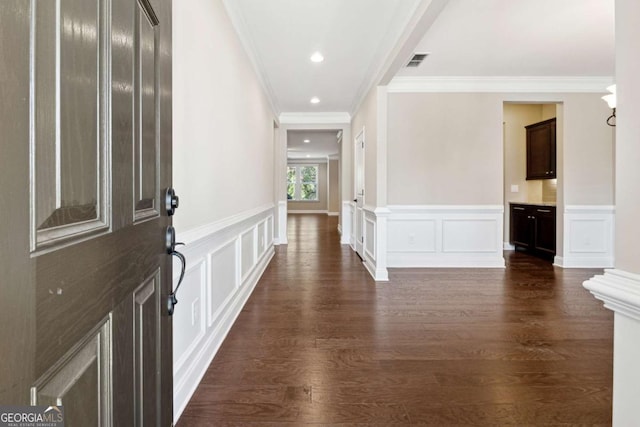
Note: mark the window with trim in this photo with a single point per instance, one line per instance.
(302, 183)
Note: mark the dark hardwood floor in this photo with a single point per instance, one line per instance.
(320, 343)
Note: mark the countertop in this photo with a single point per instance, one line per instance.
(552, 204)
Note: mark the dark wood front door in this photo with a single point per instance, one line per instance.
(85, 128)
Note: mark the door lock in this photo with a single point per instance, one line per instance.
(171, 201)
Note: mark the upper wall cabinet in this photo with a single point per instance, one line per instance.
(541, 150)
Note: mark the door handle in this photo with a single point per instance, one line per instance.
(355, 200)
(171, 250)
(171, 201)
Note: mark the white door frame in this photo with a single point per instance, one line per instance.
(359, 192)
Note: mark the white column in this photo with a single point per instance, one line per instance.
(619, 289)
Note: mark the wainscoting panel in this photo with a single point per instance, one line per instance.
(464, 235)
(375, 242)
(588, 237)
(370, 236)
(345, 222)
(225, 260)
(224, 278)
(412, 235)
(247, 248)
(189, 313)
(445, 236)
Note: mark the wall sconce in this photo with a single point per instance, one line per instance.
(611, 101)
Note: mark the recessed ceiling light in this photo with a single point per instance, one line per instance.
(315, 100)
(317, 57)
(306, 141)
(308, 155)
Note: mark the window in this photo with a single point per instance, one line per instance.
(302, 183)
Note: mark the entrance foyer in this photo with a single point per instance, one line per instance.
(319, 342)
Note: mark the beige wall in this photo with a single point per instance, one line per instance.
(334, 186)
(367, 117)
(628, 137)
(222, 151)
(588, 151)
(321, 204)
(444, 149)
(447, 148)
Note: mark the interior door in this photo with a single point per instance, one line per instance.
(85, 120)
(359, 192)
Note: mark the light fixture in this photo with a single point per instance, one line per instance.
(611, 101)
(315, 100)
(308, 155)
(317, 57)
(306, 141)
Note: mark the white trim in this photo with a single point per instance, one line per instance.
(319, 211)
(218, 303)
(341, 118)
(500, 84)
(588, 238)
(345, 226)
(444, 236)
(468, 209)
(618, 290)
(508, 246)
(195, 234)
(238, 22)
(282, 222)
(333, 213)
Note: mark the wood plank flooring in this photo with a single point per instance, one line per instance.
(320, 343)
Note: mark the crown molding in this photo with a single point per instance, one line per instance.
(500, 84)
(238, 22)
(315, 118)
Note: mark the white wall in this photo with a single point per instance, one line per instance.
(366, 117)
(223, 171)
(223, 124)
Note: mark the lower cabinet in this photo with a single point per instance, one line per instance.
(533, 228)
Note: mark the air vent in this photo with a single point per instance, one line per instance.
(417, 59)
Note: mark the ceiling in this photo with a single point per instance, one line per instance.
(323, 143)
(520, 38)
(355, 36)
(463, 37)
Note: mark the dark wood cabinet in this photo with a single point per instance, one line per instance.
(533, 228)
(541, 150)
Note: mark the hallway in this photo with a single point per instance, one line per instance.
(319, 342)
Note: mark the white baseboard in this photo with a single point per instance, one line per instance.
(508, 247)
(333, 213)
(445, 236)
(619, 291)
(224, 267)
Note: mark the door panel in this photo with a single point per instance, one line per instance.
(147, 350)
(87, 113)
(81, 382)
(146, 150)
(69, 143)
